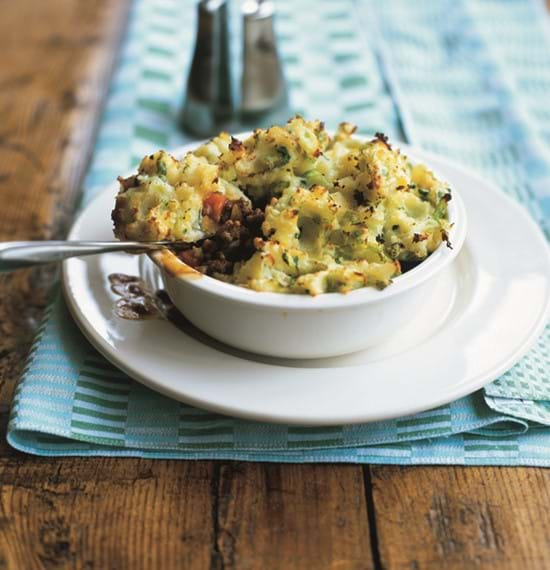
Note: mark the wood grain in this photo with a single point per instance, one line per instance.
(291, 516)
(105, 513)
(462, 517)
(56, 61)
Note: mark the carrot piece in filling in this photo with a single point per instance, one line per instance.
(213, 205)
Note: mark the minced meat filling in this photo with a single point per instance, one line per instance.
(233, 241)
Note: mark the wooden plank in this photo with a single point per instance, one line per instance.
(135, 513)
(105, 513)
(292, 517)
(56, 61)
(462, 517)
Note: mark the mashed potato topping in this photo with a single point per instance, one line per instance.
(291, 209)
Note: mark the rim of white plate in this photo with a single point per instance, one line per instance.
(245, 410)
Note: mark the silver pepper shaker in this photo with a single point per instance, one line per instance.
(264, 98)
(208, 103)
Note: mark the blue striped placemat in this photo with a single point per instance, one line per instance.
(465, 78)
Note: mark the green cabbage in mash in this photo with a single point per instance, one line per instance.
(340, 213)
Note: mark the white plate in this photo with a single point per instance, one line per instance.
(490, 306)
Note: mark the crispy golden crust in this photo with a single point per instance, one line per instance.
(340, 213)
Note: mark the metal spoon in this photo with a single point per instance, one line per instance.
(19, 254)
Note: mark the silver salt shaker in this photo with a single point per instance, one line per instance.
(208, 105)
(264, 98)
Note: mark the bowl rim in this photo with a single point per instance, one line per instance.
(424, 271)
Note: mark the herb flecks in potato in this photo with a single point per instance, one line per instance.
(338, 213)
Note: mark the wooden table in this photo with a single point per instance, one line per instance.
(57, 57)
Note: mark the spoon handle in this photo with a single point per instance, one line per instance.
(19, 254)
